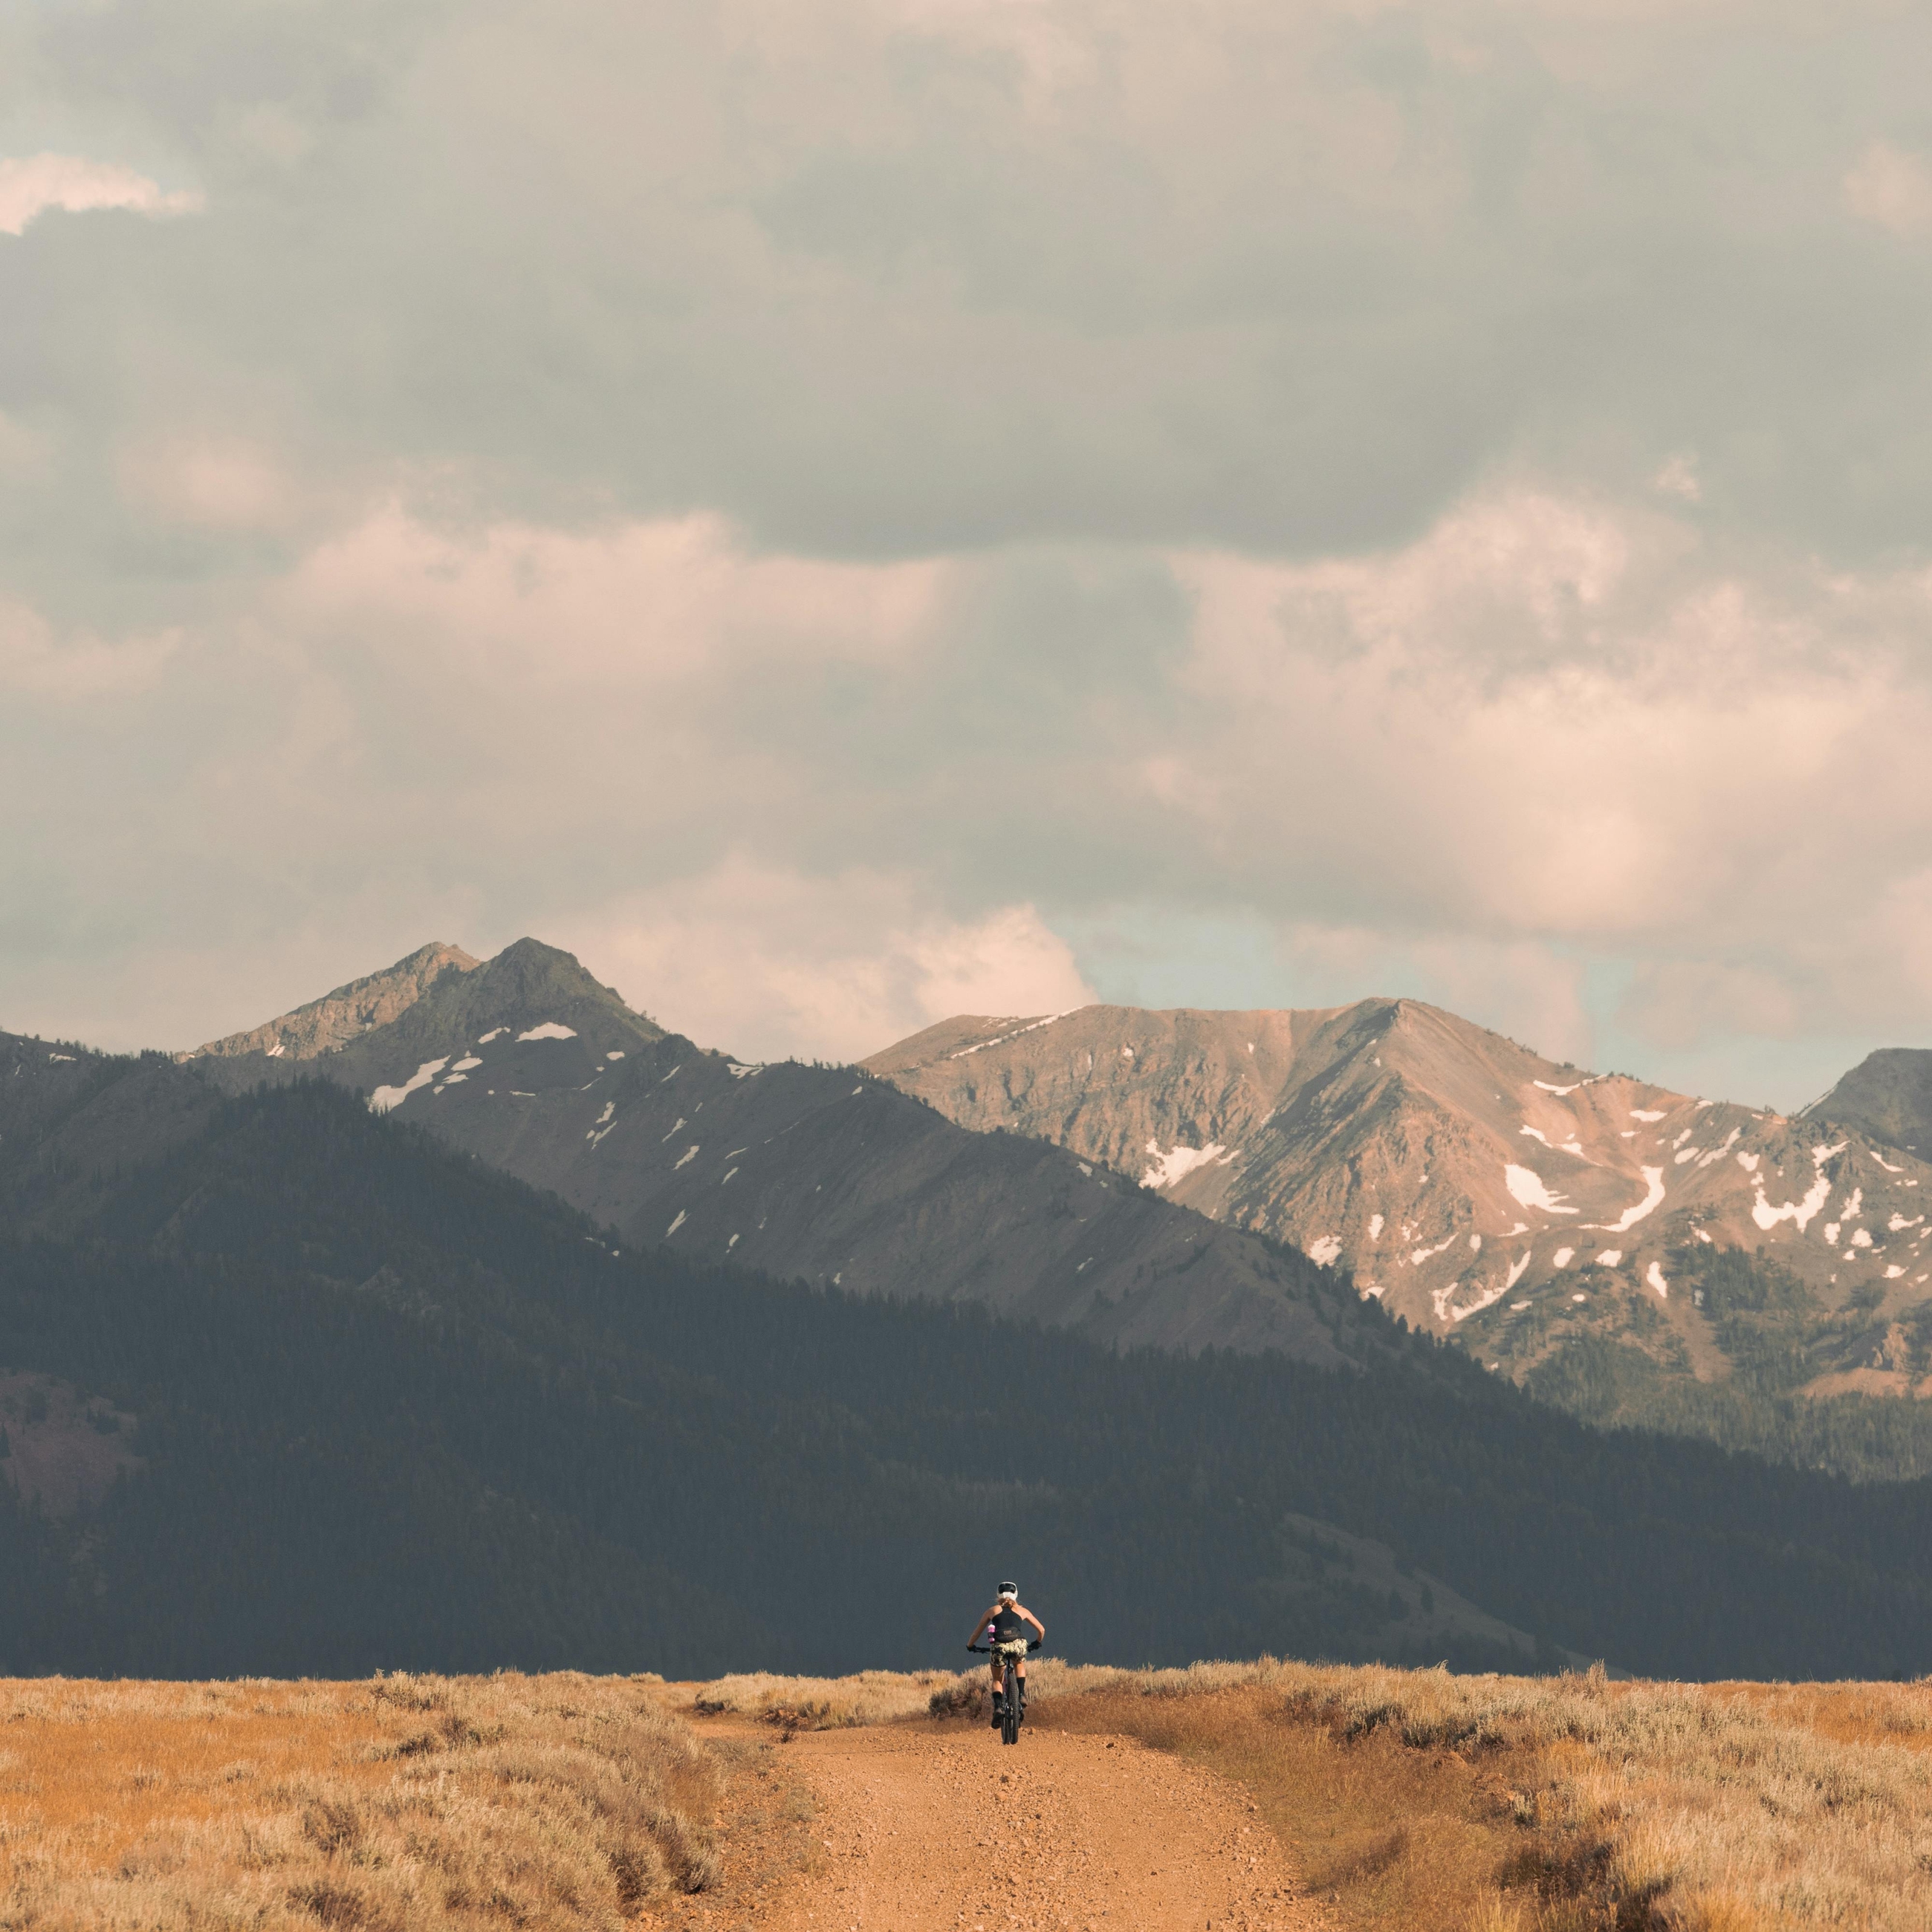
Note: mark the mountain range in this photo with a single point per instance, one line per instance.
(823, 1174)
(1472, 1186)
(1157, 1177)
(363, 1401)
(467, 1315)
(1182, 1179)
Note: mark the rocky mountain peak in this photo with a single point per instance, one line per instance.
(324, 1025)
(440, 1001)
(1887, 1095)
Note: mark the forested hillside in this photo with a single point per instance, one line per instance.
(1786, 1396)
(394, 1409)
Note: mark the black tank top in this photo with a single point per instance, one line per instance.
(1005, 1625)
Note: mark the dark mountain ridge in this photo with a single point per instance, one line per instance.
(1887, 1095)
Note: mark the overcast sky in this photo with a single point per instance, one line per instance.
(844, 512)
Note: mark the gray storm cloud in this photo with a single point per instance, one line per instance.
(947, 502)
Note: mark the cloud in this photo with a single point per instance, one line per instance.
(1287, 280)
(1678, 477)
(34, 660)
(1443, 491)
(771, 964)
(808, 805)
(1682, 1003)
(1891, 189)
(1522, 988)
(658, 604)
(31, 184)
(228, 485)
(1554, 717)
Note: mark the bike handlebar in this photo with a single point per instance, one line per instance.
(986, 1650)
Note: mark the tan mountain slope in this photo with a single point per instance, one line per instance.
(817, 1172)
(1454, 1172)
(337, 1018)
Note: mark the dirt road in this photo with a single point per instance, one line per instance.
(945, 1830)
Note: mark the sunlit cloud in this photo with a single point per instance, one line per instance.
(770, 963)
(1891, 188)
(31, 184)
(36, 661)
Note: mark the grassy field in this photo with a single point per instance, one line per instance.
(561, 1801)
(1412, 1800)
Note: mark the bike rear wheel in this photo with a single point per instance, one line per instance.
(1009, 1724)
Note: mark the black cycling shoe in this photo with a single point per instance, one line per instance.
(998, 1712)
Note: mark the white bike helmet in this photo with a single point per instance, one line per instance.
(1009, 1591)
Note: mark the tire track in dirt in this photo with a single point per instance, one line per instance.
(943, 1829)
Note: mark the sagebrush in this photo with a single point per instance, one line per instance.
(403, 1802)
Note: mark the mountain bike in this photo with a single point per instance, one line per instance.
(1011, 1715)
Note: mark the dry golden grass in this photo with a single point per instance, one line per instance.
(560, 1801)
(1414, 1800)
(821, 1703)
(1420, 1800)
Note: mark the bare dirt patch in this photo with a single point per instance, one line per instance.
(925, 1826)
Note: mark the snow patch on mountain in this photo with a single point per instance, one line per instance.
(1800, 1212)
(385, 1098)
(1178, 1162)
(1653, 1198)
(1528, 1187)
(1000, 1039)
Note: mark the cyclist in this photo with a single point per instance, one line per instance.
(1002, 1629)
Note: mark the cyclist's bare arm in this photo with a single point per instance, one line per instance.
(985, 1617)
(1032, 1619)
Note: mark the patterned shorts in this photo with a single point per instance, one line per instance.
(1013, 1650)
